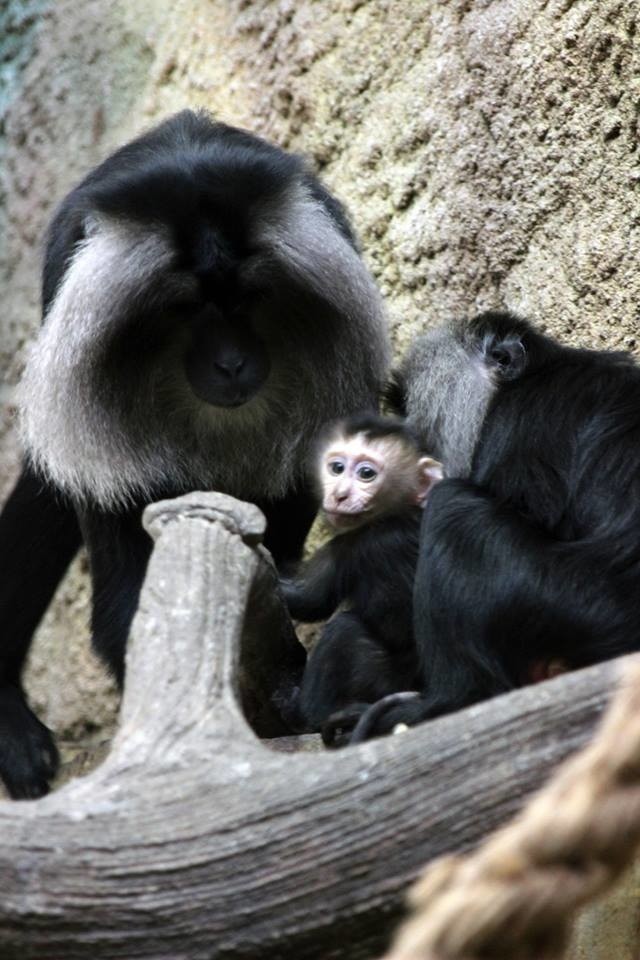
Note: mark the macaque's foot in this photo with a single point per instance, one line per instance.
(547, 669)
(28, 754)
(286, 699)
(336, 731)
(395, 710)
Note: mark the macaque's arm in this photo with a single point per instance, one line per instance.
(313, 593)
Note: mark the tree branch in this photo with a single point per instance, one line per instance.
(194, 839)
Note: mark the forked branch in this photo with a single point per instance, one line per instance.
(195, 839)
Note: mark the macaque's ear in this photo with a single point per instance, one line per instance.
(429, 473)
(506, 357)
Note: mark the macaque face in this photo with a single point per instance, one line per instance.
(362, 479)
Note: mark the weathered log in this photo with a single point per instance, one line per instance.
(194, 839)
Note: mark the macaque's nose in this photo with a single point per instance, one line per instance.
(231, 366)
(341, 492)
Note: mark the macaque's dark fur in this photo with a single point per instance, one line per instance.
(367, 650)
(205, 312)
(532, 551)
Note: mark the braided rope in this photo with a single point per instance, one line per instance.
(516, 896)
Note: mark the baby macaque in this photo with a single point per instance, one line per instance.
(374, 480)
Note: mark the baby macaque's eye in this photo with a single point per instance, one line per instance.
(366, 473)
(336, 467)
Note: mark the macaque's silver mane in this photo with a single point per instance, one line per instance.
(449, 390)
(109, 432)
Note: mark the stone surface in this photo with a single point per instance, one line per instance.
(488, 152)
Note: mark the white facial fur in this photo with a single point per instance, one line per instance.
(110, 433)
(362, 479)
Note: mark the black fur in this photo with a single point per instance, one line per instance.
(204, 183)
(40, 536)
(199, 177)
(536, 554)
(394, 394)
(375, 427)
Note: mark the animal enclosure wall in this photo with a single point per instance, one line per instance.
(488, 153)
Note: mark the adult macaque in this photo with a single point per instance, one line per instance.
(205, 313)
(530, 547)
(374, 480)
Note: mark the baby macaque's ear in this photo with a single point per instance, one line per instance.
(429, 473)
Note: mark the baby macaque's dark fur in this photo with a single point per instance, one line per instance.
(367, 650)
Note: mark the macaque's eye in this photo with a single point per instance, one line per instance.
(501, 356)
(366, 473)
(336, 467)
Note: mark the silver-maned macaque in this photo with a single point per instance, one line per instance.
(530, 548)
(205, 312)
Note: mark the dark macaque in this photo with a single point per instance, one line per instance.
(374, 480)
(530, 547)
(205, 313)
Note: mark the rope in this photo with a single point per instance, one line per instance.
(516, 896)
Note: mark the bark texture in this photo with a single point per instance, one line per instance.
(195, 839)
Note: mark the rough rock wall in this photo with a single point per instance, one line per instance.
(488, 151)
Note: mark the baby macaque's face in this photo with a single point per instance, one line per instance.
(362, 479)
